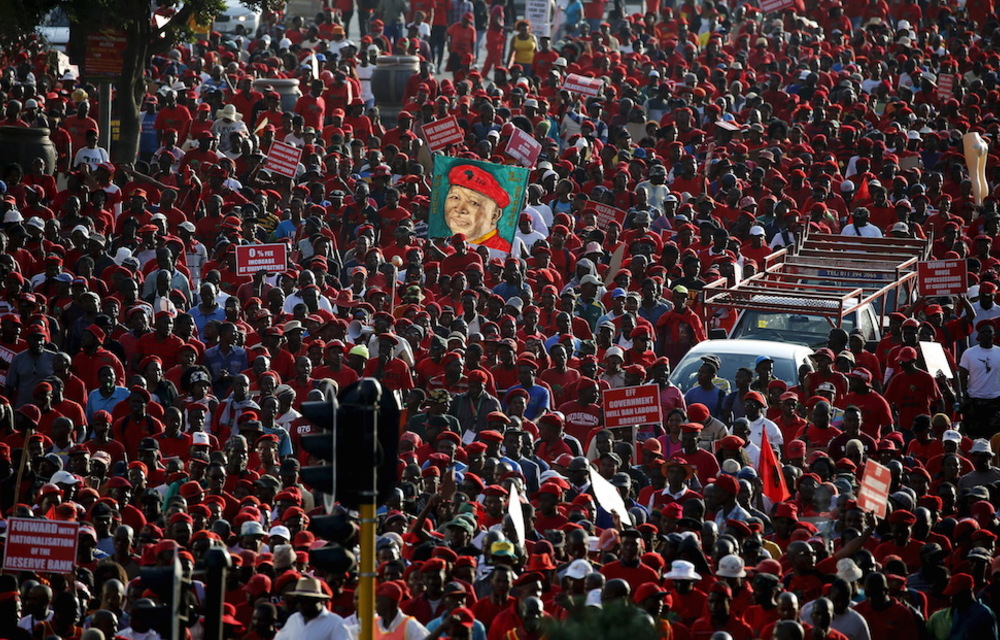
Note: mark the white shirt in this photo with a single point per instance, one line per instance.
(91, 157)
(529, 239)
(296, 298)
(135, 635)
(365, 72)
(983, 366)
(773, 432)
(28, 622)
(850, 623)
(544, 215)
(326, 626)
(986, 314)
(867, 231)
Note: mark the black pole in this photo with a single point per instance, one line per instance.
(217, 564)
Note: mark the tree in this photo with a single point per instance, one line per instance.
(612, 622)
(151, 28)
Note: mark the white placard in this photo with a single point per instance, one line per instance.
(539, 14)
(935, 359)
(515, 513)
(608, 497)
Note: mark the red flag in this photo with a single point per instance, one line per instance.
(770, 473)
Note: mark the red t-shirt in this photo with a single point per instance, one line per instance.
(912, 394)
(876, 415)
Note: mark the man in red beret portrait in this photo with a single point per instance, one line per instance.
(474, 205)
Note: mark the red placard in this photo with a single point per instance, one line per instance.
(6, 356)
(943, 277)
(251, 258)
(769, 6)
(283, 159)
(440, 133)
(630, 406)
(40, 545)
(583, 85)
(523, 148)
(105, 54)
(946, 86)
(606, 214)
(873, 495)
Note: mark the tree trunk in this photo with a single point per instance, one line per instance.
(130, 89)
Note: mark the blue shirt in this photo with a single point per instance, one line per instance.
(147, 135)
(201, 318)
(538, 400)
(506, 290)
(233, 362)
(284, 441)
(976, 621)
(711, 399)
(478, 630)
(285, 229)
(573, 13)
(97, 402)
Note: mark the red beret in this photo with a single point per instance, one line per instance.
(472, 177)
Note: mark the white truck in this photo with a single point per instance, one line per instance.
(828, 281)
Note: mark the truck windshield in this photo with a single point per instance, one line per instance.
(809, 330)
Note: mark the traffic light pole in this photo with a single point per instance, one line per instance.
(217, 565)
(371, 393)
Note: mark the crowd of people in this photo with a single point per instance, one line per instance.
(152, 394)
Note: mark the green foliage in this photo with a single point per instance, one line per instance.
(614, 622)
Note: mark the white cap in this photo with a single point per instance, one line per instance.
(546, 475)
(13, 216)
(80, 229)
(64, 477)
(757, 230)
(252, 528)
(36, 222)
(848, 570)
(913, 135)
(594, 599)
(578, 569)
(123, 254)
(200, 438)
(951, 436)
(731, 566)
(591, 279)
(846, 186)
(158, 216)
(560, 62)
(731, 466)
(682, 570)
(281, 531)
(614, 351)
(981, 445)
(187, 225)
(900, 227)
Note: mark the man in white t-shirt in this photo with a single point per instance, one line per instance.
(985, 307)
(979, 371)
(860, 226)
(91, 155)
(979, 367)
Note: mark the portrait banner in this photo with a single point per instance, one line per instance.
(479, 199)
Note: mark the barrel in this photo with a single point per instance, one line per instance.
(24, 144)
(390, 77)
(287, 88)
